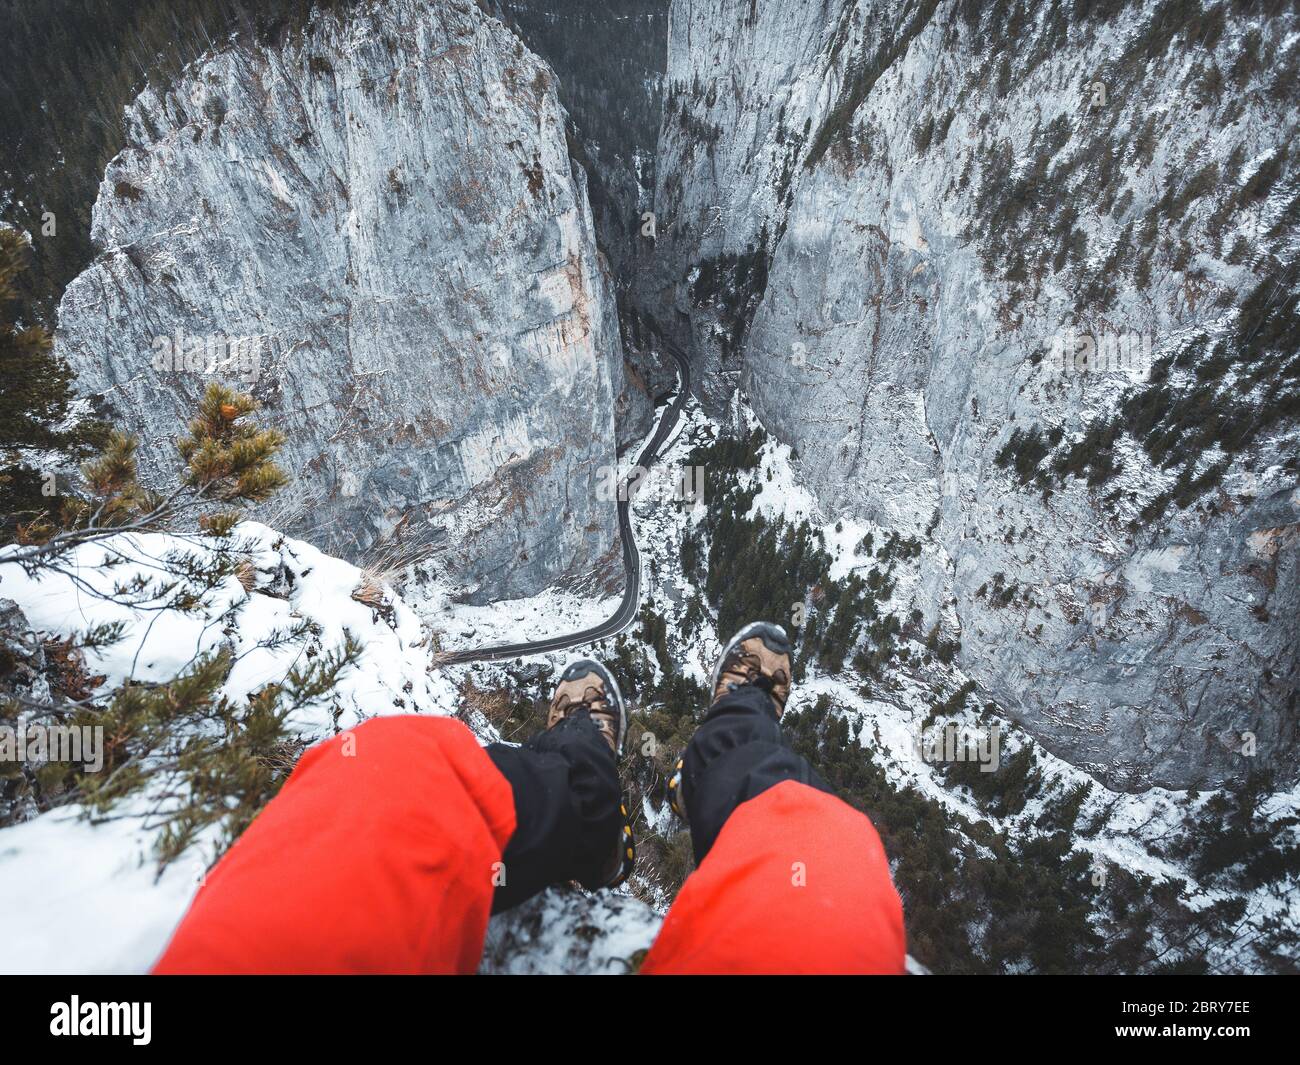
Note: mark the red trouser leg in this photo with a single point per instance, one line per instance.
(377, 856)
(796, 882)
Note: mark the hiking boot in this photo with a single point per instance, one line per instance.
(586, 685)
(759, 654)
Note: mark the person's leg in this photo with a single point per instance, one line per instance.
(389, 844)
(790, 878)
(571, 824)
(377, 856)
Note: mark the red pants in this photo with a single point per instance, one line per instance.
(381, 853)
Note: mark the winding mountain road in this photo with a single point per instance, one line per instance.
(627, 609)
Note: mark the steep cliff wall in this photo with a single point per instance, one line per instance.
(609, 59)
(380, 230)
(887, 223)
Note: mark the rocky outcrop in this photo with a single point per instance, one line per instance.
(881, 221)
(567, 932)
(377, 229)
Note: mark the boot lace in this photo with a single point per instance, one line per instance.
(597, 705)
(750, 666)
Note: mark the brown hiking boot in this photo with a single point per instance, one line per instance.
(758, 654)
(587, 685)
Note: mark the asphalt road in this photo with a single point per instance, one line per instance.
(627, 609)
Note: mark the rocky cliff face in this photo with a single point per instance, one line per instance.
(379, 230)
(917, 236)
(610, 59)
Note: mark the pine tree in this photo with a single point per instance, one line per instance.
(35, 401)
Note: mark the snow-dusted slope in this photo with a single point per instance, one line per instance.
(289, 582)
